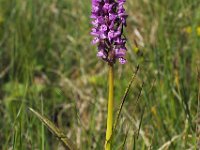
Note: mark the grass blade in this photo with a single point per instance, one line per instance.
(124, 97)
(198, 114)
(123, 146)
(141, 122)
(56, 131)
(134, 141)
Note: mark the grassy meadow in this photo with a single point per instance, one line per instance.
(47, 63)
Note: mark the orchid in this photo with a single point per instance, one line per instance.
(108, 20)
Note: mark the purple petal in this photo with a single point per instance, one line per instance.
(122, 60)
(95, 40)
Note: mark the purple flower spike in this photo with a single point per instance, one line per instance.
(108, 20)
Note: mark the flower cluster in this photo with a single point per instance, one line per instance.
(109, 18)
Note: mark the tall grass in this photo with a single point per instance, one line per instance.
(45, 55)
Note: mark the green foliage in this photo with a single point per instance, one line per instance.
(57, 132)
(46, 59)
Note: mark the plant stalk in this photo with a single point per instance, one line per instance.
(110, 108)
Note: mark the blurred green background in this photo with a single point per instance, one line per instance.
(47, 62)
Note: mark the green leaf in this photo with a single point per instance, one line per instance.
(55, 130)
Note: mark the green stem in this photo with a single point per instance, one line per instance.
(110, 108)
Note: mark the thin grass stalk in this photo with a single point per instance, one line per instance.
(110, 107)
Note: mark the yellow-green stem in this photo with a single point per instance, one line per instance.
(110, 108)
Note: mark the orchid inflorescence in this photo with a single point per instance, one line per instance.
(109, 18)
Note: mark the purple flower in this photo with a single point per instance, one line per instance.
(108, 20)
